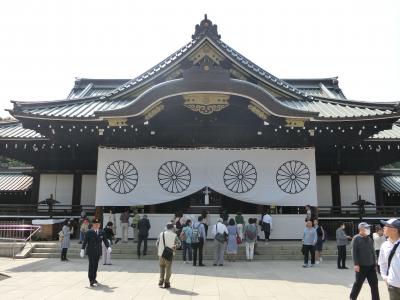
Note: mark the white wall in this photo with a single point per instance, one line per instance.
(60, 185)
(324, 190)
(349, 185)
(88, 190)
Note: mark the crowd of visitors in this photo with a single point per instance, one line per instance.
(371, 253)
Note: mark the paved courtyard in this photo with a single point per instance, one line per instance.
(35, 278)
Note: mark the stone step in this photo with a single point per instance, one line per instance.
(179, 258)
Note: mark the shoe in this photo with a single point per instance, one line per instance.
(320, 259)
(95, 281)
(345, 268)
(167, 285)
(80, 242)
(317, 262)
(160, 283)
(108, 264)
(202, 265)
(339, 268)
(305, 266)
(220, 265)
(214, 265)
(312, 265)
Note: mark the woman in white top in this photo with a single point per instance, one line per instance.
(378, 238)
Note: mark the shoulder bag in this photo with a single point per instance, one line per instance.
(168, 253)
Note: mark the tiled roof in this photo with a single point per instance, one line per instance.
(391, 184)
(75, 109)
(332, 109)
(15, 182)
(308, 95)
(14, 130)
(389, 134)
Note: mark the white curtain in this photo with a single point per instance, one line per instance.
(127, 177)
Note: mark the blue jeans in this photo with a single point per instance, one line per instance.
(187, 247)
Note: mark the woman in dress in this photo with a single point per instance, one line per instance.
(232, 240)
(65, 239)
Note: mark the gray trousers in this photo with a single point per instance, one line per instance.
(219, 249)
(394, 293)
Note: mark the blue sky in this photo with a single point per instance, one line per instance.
(44, 45)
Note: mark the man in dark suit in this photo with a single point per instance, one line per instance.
(92, 244)
(143, 230)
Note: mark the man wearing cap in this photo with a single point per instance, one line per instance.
(166, 239)
(92, 244)
(389, 257)
(219, 230)
(364, 262)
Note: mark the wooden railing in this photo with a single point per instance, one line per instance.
(24, 210)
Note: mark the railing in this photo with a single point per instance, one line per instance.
(368, 211)
(18, 233)
(20, 210)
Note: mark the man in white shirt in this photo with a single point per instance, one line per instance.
(390, 271)
(266, 226)
(167, 238)
(219, 233)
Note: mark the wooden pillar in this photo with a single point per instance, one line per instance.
(76, 193)
(35, 189)
(378, 190)
(336, 200)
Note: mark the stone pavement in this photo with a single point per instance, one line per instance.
(35, 278)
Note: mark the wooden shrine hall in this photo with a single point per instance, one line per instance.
(206, 127)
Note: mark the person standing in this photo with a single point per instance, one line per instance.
(364, 262)
(83, 230)
(65, 239)
(342, 240)
(225, 216)
(378, 238)
(198, 238)
(167, 238)
(143, 234)
(92, 244)
(205, 215)
(232, 246)
(308, 213)
(108, 231)
(266, 225)
(389, 258)
(320, 242)
(111, 218)
(135, 221)
(250, 237)
(219, 233)
(186, 238)
(124, 218)
(240, 224)
(309, 240)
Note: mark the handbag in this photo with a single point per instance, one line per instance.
(167, 253)
(238, 240)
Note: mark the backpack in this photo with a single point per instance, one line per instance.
(182, 236)
(195, 234)
(249, 233)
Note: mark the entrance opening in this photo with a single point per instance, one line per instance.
(195, 203)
